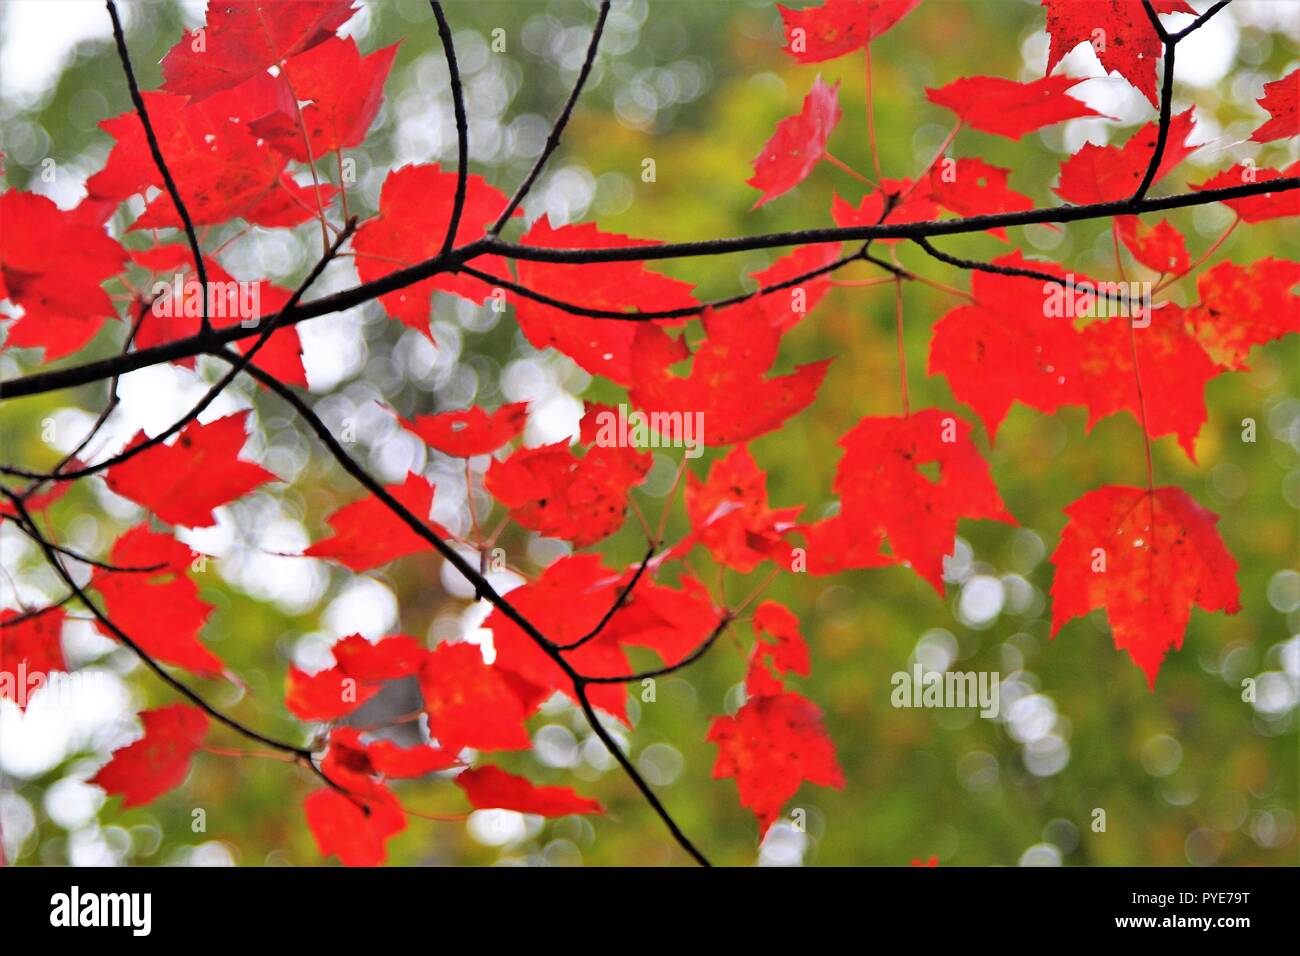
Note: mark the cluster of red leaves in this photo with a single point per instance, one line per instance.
(267, 85)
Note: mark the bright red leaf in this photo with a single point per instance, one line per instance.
(1103, 173)
(471, 431)
(489, 788)
(837, 27)
(1147, 558)
(157, 762)
(1242, 307)
(797, 145)
(1004, 107)
(469, 703)
(31, 651)
(1279, 100)
(367, 534)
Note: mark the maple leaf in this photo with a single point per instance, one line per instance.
(242, 38)
(565, 603)
(838, 27)
(1146, 557)
(797, 145)
(785, 308)
(157, 762)
(788, 652)
(1119, 32)
(1003, 347)
(834, 545)
(367, 534)
(599, 346)
(360, 667)
(220, 168)
(345, 90)
(393, 761)
(881, 484)
(469, 703)
(31, 650)
(772, 744)
(908, 202)
(1174, 370)
(1006, 108)
(53, 263)
(354, 826)
(673, 622)
(1242, 307)
(160, 610)
(1098, 174)
(1262, 206)
(1279, 100)
(972, 187)
(415, 207)
(232, 303)
(552, 491)
(727, 384)
(183, 482)
(489, 788)
(730, 516)
(1160, 248)
(471, 431)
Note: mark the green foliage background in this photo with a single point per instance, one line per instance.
(918, 782)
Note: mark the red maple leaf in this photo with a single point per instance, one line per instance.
(489, 788)
(727, 384)
(554, 492)
(773, 744)
(345, 90)
(1003, 347)
(1146, 557)
(145, 770)
(1279, 100)
(160, 610)
(1160, 248)
(882, 485)
(220, 168)
(470, 431)
(1004, 107)
(242, 38)
(1174, 370)
(1262, 206)
(31, 650)
(1119, 32)
(907, 202)
(354, 826)
(838, 27)
(797, 145)
(565, 603)
(730, 516)
(361, 666)
(183, 482)
(1245, 306)
(53, 263)
(599, 346)
(787, 306)
(469, 703)
(415, 207)
(367, 534)
(1103, 173)
(972, 187)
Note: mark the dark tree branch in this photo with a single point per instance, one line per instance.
(685, 662)
(481, 585)
(267, 329)
(1166, 103)
(156, 151)
(623, 595)
(52, 557)
(462, 125)
(557, 128)
(50, 380)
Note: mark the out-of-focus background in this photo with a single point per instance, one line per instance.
(1189, 774)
